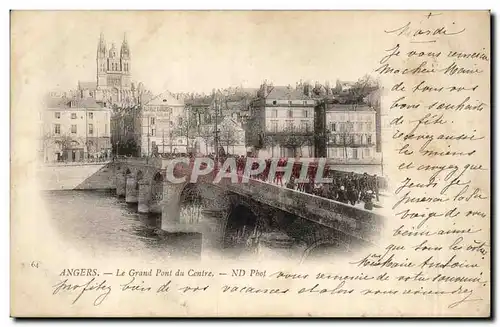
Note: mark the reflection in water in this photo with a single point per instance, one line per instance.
(191, 214)
(99, 222)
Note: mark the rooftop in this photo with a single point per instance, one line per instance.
(165, 98)
(286, 93)
(348, 107)
(74, 104)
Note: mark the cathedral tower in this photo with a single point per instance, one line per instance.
(101, 63)
(113, 72)
(125, 63)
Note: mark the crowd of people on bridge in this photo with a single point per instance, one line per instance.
(349, 188)
(346, 187)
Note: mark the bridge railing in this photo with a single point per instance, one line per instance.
(355, 221)
(258, 186)
(147, 161)
(73, 163)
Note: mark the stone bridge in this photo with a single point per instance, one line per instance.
(233, 213)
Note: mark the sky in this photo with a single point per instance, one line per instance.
(196, 51)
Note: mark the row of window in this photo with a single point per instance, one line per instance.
(57, 115)
(152, 121)
(351, 126)
(114, 66)
(57, 129)
(74, 129)
(351, 139)
(114, 81)
(290, 102)
(352, 116)
(353, 153)
(307, 113)
(290, 113)
(160, 108)
(305, 126)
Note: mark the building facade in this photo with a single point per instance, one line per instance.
(350, 132)
(163, 125)
(281, 122)
(76, 130)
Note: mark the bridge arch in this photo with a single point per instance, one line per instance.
(190, 203)
(189, 193)
(322, 248)
(158, 177)
(241, 223)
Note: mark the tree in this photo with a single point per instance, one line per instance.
(270, 141)
(361, 89)
(229, 134)
(207, 134)
(346, 135)
(294, 139)
(47, 140)
(364, 92)
(182, 130)
(130, 148)
(64, 142)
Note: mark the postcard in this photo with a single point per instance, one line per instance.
(250, 164)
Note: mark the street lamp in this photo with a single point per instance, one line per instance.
(148, 140)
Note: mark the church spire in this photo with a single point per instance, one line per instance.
(125, 51)
(101, 46)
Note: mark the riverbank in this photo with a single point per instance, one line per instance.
(76, 176)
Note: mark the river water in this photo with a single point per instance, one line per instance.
(99, 221)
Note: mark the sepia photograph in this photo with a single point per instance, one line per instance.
(294, 170)
(301, 155)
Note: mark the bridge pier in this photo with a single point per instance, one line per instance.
(144, 196)
(131, 191)
(156, 195)
(120, 184)
(170, 215)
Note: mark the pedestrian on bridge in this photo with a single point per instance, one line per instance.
(352, 192)
(341, 195)
(368, 200)
(291, 183)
